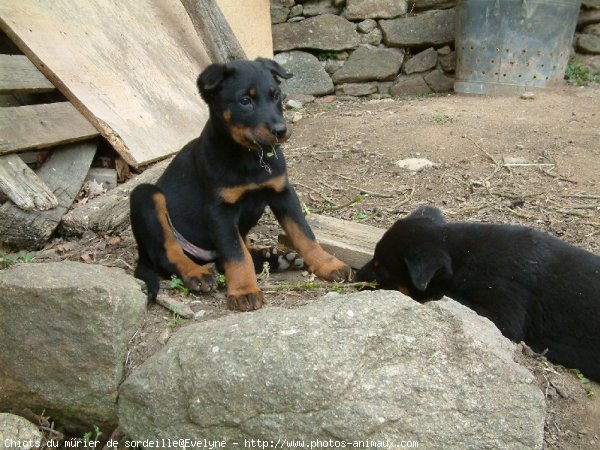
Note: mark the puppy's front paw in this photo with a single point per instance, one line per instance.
(248, 301)
(201, 279)
(334, 270)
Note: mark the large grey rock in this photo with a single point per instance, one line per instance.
(279, 12)
(371, 365)
(448, 61)
(588, 43)
(356, 89)
(420, 4)
(366, 64)
(438, 81)
(18, 433)
(421, 62)
(374, 9)
(428, 28)
(318, 7)
(326, 32)
(309, 77)
(410, 85)
(65, 329)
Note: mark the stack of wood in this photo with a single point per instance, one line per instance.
(38, 200)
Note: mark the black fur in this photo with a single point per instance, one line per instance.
(238, 151)
(534, 287)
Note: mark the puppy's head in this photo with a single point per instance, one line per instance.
(244, 98)
(411, 257)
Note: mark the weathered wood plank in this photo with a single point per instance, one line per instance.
(109, 212)
(23, 186)
(353, 243)
(39, 126)
(64, 173)
(129, 67)
(213, 30)
(19, 75)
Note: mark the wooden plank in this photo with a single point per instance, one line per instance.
(23, 186)
(256, 40)
(110, 211)
(64, 173)
(39, 126)
(213, 30)
(129, 67)
(19, 75)
(354, 243)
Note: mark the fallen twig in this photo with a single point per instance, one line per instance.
(357, 199)
(374, 194)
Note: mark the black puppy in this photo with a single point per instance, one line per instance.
(217, 187)
(534, 287)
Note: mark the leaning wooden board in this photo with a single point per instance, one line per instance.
(129, 67)
(353, 243)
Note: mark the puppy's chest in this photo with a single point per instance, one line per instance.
(233, 194)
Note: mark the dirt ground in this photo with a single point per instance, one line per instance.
(510, 160)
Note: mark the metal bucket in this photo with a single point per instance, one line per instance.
(506, 47)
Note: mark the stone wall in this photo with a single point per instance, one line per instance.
(377, 47)
(363, 47)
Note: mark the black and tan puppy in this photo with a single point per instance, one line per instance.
(534, 287)
(217, 187)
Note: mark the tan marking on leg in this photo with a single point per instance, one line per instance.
(243, 292)
(184, 265)
(316, 259)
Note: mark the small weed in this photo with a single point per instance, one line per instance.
(579, 75)
(327, 106)
(176, 320)
(178, 285)
(315, 285)
(443, 119)
(87, 437)
(585, 383)
(7, 260)
(266, 272)
(221, 280)
(360, 216)
(305, 209)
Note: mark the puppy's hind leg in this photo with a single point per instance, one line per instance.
(159, 251)
(278, 260)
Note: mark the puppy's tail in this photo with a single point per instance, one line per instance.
(149, 276)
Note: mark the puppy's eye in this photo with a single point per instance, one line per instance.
(245, 101)
(276, 96)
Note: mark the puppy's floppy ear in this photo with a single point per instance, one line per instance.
(211, 78)
(275, 68)
(427, 265)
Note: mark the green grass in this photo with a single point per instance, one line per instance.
(7, 260)
(585, 383)
(579, 75)
(178, 285)
(443, 119)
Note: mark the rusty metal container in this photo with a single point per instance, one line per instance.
(507, 47)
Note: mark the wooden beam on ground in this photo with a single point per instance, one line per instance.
(23, 186)
(213, 30)
(110, 211)
(18, 75)
(40, 126)
(129, 67)
(354, 243)
(64, 173)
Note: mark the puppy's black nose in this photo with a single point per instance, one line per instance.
(279, 129)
